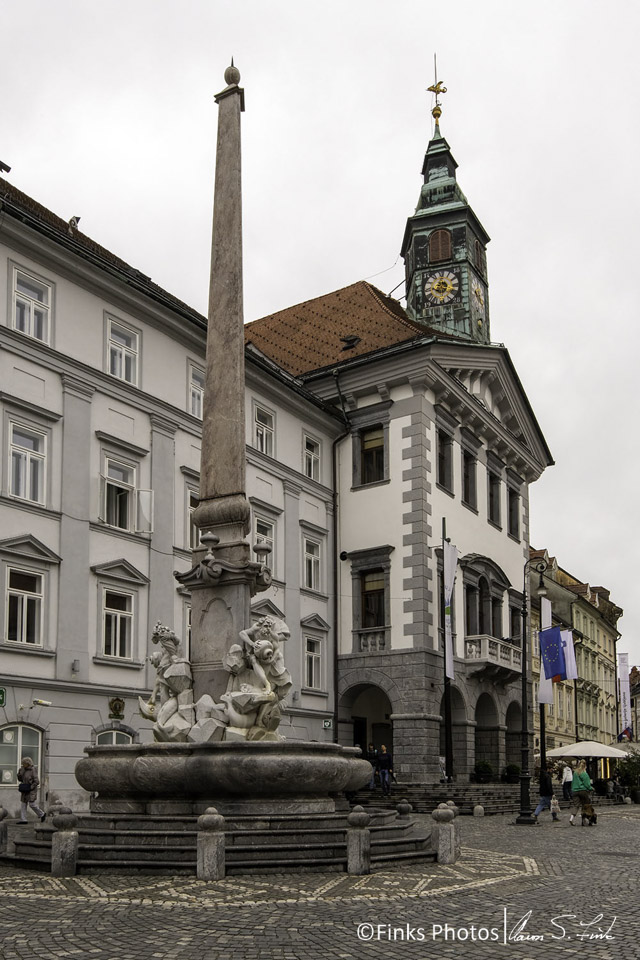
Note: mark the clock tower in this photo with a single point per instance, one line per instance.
(444, 249)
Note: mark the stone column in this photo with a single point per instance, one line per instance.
(416, 746)
(443, 834)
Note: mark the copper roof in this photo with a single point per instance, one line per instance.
(309, 336)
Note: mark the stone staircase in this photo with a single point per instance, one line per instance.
(131, 844)
(424, 798)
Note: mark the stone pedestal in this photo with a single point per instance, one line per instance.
(64, 844)
(358, 842)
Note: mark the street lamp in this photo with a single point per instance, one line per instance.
(525, 817)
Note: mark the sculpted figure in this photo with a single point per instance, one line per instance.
(175, 716)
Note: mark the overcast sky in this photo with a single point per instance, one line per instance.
(107, 112)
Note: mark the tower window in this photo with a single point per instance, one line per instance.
(477, 256)
(439, 246)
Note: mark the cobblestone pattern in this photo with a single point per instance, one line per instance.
(550, 869)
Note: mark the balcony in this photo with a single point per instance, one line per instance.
(491, 659)
(372, 639)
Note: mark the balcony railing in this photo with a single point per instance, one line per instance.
(492, 658)
(372, 639)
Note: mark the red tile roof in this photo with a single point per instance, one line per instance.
(309, 335)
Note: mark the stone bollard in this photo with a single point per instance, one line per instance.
(404, 809)
(443, 834)
(3, 829)
(478, 810)
(457, 829)
(64, 843)
(211, 846)
(358, 842)
(628, 800)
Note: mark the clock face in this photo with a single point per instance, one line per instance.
(477, 299)
(441, 287)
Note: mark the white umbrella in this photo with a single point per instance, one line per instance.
(587, 748)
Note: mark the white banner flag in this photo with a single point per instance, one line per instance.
(450, 567)
(625, 695)
(569, 654)
(545, 688)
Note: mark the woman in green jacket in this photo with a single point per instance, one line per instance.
(580, 789)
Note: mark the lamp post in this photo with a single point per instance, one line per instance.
(525, 817)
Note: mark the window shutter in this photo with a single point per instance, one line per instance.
(144, 511)
(439, 246)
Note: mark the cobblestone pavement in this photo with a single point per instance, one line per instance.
(538, 875)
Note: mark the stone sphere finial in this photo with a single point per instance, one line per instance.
(232, 74)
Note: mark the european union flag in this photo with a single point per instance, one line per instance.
(552, 654)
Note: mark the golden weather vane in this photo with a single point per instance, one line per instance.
(436, 87)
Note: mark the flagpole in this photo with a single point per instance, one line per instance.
(448, 732)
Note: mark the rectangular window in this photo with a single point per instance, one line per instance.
(313, 663)
(122, 505)
(495, 490)
(24, 607)
(122, 351)
(372, 589)
(372, 455)
(311, 458)
(514, 513)
(196, 391)
(568, 705)
(27, 452)
(194, 532)
(311, 564)
(469, 479)
(445, 461)
(496, 617)
(263, 430)
(32, 304)
(265, 532)
(117, 624)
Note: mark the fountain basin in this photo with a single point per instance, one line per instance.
(181, 777)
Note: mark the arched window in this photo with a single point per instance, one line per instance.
(477, 256)
(439, 246)
(16, 742)
(110, 738)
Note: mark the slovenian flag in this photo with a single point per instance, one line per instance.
(552, 652)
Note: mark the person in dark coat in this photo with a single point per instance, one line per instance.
(546, 793)
(28, 775)
(385, 766)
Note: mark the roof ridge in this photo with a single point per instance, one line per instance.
(320, 296)
(382, 297)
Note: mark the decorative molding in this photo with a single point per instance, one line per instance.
(120, 570)
(125, 445)
(315, 622)
(33, 409)
(77, 388)
(29, 547)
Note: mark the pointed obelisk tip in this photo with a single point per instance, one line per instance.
(232, 74)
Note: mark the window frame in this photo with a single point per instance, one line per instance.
(514, 507)
(131, 619)
(365, 420)
(41, 458)
(263, 435)
(113, 732)
(494, 496)
(136, 334)
(311, 462)
(439, 250)
(137, 496)
(40, 281)
(315, 660)
(39, 598)
(364, 562)
(34, 751)
(469, 479)
(195, 391)
(311, 564)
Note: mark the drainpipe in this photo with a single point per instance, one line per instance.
(336, 558)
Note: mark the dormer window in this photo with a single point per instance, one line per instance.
(439, 246)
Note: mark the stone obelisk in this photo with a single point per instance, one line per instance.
(224, 577)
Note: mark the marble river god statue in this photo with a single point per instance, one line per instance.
(250, 709)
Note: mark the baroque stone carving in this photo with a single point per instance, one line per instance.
(250, 709)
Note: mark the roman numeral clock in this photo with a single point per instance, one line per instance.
(442, 287)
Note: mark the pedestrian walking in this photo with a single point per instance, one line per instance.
(546, 794)
(28, 787)
(580, 790)
(385, 766)
(567, 782)
(372, 757)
